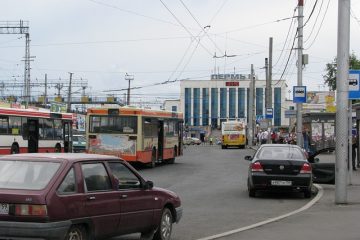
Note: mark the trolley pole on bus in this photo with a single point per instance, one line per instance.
(69, 94)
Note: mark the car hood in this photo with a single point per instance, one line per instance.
(166, 191)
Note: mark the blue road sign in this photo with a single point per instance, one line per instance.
(354, 90)
(269, 113)
(299, 94)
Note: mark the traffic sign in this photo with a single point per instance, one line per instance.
(269, 113)
(290, 113)
(299, 94)
(354, 90)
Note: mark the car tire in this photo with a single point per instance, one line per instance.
(307, 193)
(251, 191)
(164, 229)
(76, 232)
(14, 149)
(152, 164)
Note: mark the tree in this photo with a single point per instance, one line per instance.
(331, 69)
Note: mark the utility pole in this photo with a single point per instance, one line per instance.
(69, 94)
(267, 100)
(342, 91)
(128, 78)
(251, 107)
(299, 136)
(45, 94)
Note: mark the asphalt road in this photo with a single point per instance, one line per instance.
(212, 185)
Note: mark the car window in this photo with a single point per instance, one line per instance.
(29, 175)
(96, 177)
(278, 153)
(68, 185)
(127, 179)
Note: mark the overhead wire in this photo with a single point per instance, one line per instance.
(316, 20)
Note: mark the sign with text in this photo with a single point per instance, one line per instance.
(232, 84)
(354, 90)
(299, 94)
(269, 113)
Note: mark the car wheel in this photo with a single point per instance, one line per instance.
(14, 149)
(251, 191)
(152, 164)
(76, 232)
(165, 227)
(307, 193)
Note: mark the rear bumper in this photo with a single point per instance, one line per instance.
(263, 181)
(31, 230)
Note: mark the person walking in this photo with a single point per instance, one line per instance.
(354, 147)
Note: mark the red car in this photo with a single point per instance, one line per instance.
(79, 197)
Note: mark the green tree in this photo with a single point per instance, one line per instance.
(331, 69)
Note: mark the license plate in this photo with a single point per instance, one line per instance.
(281, 183)
(4, 208)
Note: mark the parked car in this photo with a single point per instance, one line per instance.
(80, 196)
(78, 143)
(191, 141)
(279, 167)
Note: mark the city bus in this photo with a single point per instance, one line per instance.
(134, 134)
(32, 131)
(233, 134)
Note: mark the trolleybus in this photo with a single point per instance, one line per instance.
(134, 134)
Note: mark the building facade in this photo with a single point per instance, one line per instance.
(226, 97)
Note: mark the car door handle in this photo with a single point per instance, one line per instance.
(123, 196)
(91, 198)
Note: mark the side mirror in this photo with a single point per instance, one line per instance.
(316, 160)
(249, 158)
(148, 185)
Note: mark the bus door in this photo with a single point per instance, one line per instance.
(67, 136)
(160, 139)
(33, 135)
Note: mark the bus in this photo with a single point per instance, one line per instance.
(32, 131)
(233, 134)
(135, 134)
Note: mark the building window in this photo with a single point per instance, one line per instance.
(214, 107)
(196, 112)
(187, 106)
(223, 105)
(205, 106)
(174, 108)
(241, 102)
(277, 106)
(232, 103)
(259, 101)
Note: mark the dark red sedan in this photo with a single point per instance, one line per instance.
(80, 197)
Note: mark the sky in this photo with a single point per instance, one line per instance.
(163, 41)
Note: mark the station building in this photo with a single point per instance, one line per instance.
(225, 97)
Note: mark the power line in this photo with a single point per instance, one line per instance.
(316, 20)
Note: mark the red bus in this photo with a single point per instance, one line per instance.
(134, 134)
(32, 131)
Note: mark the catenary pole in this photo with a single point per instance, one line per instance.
(342, 91)
(251, 106)
(299, 137)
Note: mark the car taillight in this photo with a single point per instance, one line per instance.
(256, 167)
(30, 210)
(306, 168)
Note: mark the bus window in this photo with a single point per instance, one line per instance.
(150, 127)
(95, 124)
(3, 125)
(58, 129)
(48, 128)
(14, 125)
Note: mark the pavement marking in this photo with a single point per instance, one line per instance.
(270, 220)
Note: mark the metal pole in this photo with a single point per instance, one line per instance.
(270, 82)
(350, 144)
(299, 137)
(69, 94)
(128, 78)
(251, 105)
(45, 94)
(342, 92)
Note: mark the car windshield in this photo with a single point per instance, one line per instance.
(280, 153)
(28, 175)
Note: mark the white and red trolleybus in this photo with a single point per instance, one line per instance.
(31, 131)
(134, 134)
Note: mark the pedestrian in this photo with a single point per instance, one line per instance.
(354, 147)
(211, 140)
(264, 137)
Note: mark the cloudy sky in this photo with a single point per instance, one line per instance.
(167, 40)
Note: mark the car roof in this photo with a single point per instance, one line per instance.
(71, 157)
